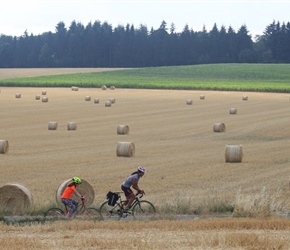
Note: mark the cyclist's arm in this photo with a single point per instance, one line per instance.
(77, 193)
(135, 185)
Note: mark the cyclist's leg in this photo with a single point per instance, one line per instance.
(65, 202)
(74, 206)
(130, 196)
(71, 204)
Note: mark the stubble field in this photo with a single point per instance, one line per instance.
(184, 158)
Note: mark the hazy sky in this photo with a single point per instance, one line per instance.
(38, 16)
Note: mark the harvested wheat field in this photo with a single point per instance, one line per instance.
(27, 72)
(184, 158)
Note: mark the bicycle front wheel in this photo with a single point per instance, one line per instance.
(93, 214)
(143, 210)
(54, 214)
(110, 212)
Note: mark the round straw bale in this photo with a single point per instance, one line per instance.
(52, 125)
(234, 153)
(18, 95)
(112, 87)
(43, 92)
(202, 97)
(96, 100)
(4, 146)
(37, 97)
(126, 149)
(123, 130)
(233, 111)
(71, 126)
(15, 197)
(74, 88)
(245, 98)
(44, 99)
(104, 87)
(189, 102)
(87, 98)
(84, 189)
(112, 100)
(108, 104)
(219, 127)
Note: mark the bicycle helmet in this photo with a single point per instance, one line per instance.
(77, 180)
(141, 169)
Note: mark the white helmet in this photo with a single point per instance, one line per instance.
(141, 169)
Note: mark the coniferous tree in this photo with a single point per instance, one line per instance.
(99, 45)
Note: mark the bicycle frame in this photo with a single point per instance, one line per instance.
(121, 202)
(80, 208)
(138, 196)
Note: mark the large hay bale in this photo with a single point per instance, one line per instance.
(219, 127)
(84, 189)
(112, 87)
(4, 146)
(52, 125)
(123, 130)
(233, 111)
(17, 95)
(87, 98)
(15, 197)
(96, 100)
(112, 100)
(43, 92)
(74, 88)
(234, 153)
(108, 104)
(202, 97)
(126, 149)
(245, 98)
(189, 102)
(104, 87)
(44, 99)
(71, 126)
(37, 97)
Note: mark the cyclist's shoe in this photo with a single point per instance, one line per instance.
(127, 211)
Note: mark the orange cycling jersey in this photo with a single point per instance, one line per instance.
(67, 193)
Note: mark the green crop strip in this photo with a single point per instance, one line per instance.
(235, 77)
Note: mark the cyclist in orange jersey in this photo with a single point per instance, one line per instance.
(67, 194)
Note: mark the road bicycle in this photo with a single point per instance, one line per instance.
(83, 212)
(140, 209)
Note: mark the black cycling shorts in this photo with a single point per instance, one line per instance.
(127, 191)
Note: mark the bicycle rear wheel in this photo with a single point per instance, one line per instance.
(54, 214)
(143, 210)
(110, 212)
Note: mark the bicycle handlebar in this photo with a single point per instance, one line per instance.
(140, 194)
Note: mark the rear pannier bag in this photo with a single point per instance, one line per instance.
(112, 198)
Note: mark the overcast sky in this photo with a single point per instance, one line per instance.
(38, 16)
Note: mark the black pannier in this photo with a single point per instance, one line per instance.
(112, 198)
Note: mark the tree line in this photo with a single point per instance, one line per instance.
(100, 45)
